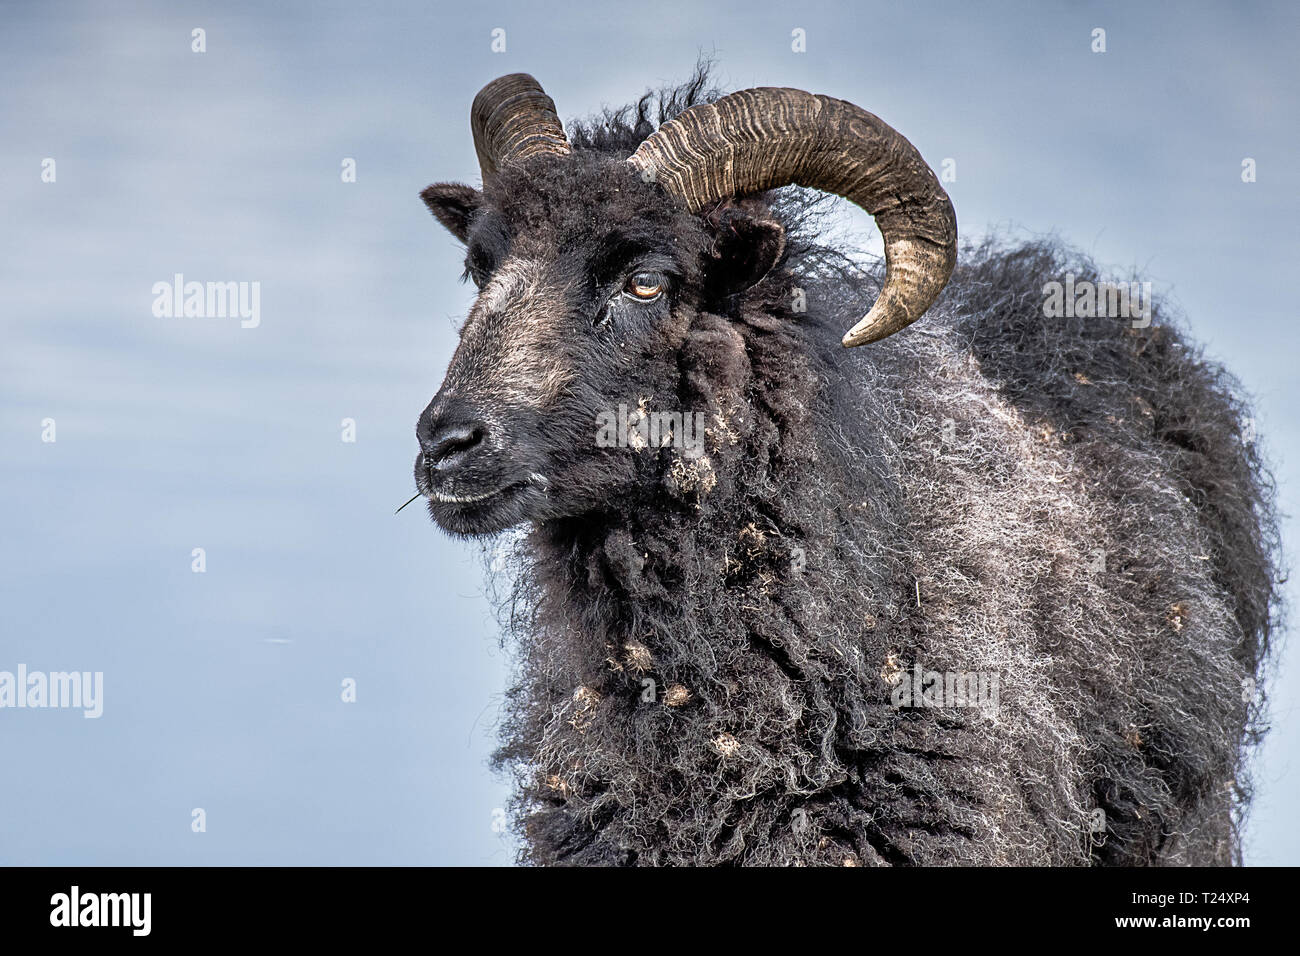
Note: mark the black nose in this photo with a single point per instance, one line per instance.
(449, 439)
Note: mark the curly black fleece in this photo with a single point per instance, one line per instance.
(704, 676)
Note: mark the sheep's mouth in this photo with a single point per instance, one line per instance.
(448, 499)
(485, 513)
(476, 511)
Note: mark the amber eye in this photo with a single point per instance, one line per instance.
(645, 286)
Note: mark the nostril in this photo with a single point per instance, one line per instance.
(447, 445)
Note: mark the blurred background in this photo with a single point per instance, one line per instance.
(223, 690)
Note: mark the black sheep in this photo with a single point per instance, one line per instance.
(743, 648)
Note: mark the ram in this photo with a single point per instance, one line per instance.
(991, 588)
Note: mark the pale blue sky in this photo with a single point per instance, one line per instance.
(222, 689)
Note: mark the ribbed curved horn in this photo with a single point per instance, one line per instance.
(768, 137)
(513, 119)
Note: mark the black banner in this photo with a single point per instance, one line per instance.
(926, 906)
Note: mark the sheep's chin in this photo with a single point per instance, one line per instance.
(486, 513)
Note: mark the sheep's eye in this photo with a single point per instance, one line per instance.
(645, 286)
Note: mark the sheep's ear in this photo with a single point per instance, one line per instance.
(454, 205)
(748, 243)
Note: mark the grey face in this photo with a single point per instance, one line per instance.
(592, 267)
(588, 280)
